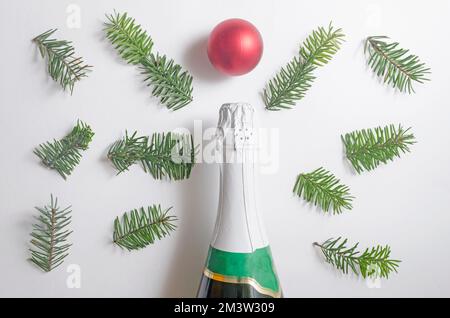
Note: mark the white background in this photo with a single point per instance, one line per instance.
(404, 204)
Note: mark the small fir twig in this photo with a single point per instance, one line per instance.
(323, 189)
(65, 154)
(49, 236)
(394, 65)
(373, 262)
(164, 155)
(368, 148)
(142, 227)
(293, 81)
(62, 64)
(169, 82)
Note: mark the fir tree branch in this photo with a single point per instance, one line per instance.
(322, 188)
(62, 65)
(64, 155)
(373, 262)
(132, 43)
(142, 227)
(49, 236)
(294, 80)
(368, 148)
(170, 83)
(164, 155)
(396, 67)
(127, 151)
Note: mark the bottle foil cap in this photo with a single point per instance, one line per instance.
(235, 124)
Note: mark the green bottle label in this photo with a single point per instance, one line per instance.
(255, 269)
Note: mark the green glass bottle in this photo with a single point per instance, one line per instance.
(239, 262)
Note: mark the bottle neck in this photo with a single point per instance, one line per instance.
(238, 225)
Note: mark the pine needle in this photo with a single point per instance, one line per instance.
(368, 148)
(142, 227)
(293, 81)
(49, 236)
(164, 155)
(323, 189)
(62, 65)
(373, 262)
(394, 65)
(65, 154)
(169, 82)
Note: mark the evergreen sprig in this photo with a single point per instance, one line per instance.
(366, 149)
(62, 64)
(294, 80)
(322, 188)
(65, 154)
(141, 227)
(132, 42)
(170, 83)
(49, 236)
(168, 155)
(394, 65)
(373, 262)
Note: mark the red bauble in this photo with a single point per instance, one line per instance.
(235, 47)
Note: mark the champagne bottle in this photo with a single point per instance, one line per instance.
(239, 262)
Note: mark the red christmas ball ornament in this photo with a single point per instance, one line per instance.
(235, 47)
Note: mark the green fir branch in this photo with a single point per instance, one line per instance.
(323, 189)
(65, 154)
(373, 262)
(142, 227)
(131, 42)
(62, 64)
(128, 151)
(49, 236)
(394, 65)
(164, 155)
(169, 82)
(293, 81)
(368, 148)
